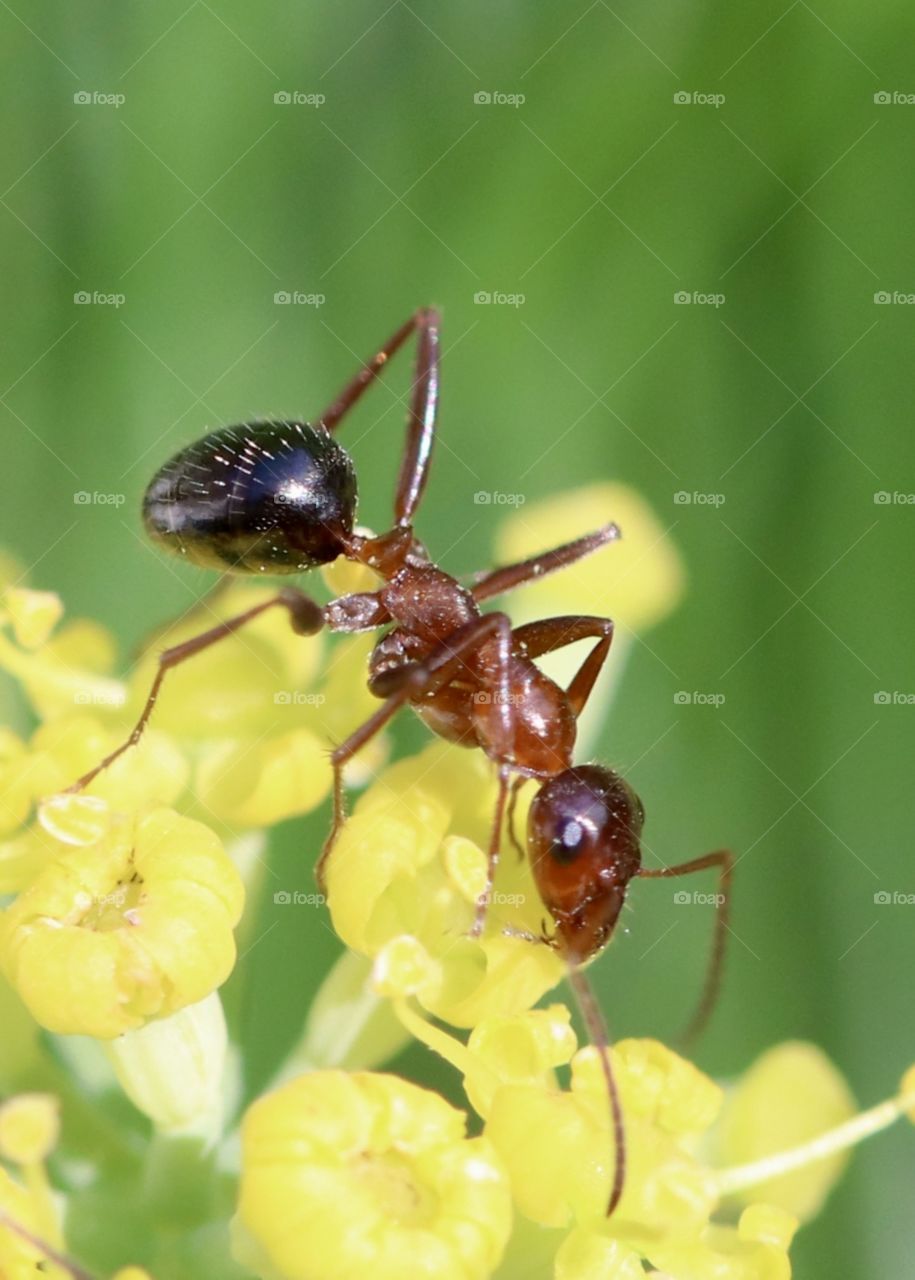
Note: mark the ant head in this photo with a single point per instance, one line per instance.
(583, 837)
(264, 497)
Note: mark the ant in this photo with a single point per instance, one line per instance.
(280, 497)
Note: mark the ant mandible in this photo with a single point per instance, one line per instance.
(280, 497)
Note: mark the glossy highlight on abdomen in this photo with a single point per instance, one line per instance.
(262, 497)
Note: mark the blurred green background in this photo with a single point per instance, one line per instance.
(598, 198)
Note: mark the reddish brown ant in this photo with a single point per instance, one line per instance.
(280, 497)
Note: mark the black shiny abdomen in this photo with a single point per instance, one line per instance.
(263, 497)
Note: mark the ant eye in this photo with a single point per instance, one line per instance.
(273, 497)
(570, 841)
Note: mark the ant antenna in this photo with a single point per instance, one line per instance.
(597, 1032)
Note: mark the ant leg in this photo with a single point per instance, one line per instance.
(549, 634)
(492, 857)
(414, 466)
(341, 756)
(495, 581)
(412, 682)
(510, 820)
(723, 859)
(306, 618)
(210, 597)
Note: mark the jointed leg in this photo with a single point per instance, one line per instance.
(496, 581)
(306, 617)
(723, 859)
(410, 683)
(206, 601)
(510, 817)
(492, 856)
(341, 757)
(423, 405)
(534, 639)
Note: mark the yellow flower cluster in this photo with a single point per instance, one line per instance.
(121, 905)
(125, 906)
(705, 1198)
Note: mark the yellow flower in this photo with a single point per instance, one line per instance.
(410, 861)
(29, 1127)
(29, 1130)
(346, 1176)
(21, 1256)
(790, 1094)
(257, 713)
(17, 788)
(558, 1150)
(135, 927)
(244, 727)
